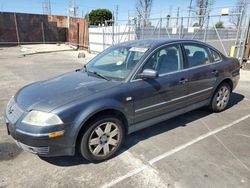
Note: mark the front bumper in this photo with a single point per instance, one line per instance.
(36, 150)
(36, 139)
(40, 143)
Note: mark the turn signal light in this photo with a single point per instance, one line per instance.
(56, 134)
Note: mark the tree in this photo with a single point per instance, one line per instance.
(99, 16)
(237, 12)
(143, 9)
(219, 25)
(203, 9)
(196, 25)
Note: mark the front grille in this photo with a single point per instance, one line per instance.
(13, 111)
(36, 150)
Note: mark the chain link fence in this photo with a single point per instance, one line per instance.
(216, 30)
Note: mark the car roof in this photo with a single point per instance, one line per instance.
(154, 43)
(149, 43)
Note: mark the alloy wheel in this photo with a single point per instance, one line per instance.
(104, 139)
(222, 97)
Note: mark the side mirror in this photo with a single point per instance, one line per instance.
(149, 73)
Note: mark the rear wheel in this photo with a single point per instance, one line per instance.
(221, 97)
(102, 139)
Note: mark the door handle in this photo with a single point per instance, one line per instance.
(215, 72)
(183, 81)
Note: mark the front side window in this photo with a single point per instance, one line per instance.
(196, 55)
(117, 62)
(165, 60)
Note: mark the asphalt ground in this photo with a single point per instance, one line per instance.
(197, 149)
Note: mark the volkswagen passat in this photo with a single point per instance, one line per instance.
(126, 88)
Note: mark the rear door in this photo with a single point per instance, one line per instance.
(155, 97)
(201, 73)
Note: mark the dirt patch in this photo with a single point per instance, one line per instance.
(9, 151)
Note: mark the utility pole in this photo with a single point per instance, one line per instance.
(46, 7)
(116, 14)
(113, 28)
(178, 14)
(49, 7)
(189, 12)
(170, 10)
(116, 22)
(73, 8)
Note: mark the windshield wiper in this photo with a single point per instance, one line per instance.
(99, 75)
(96, 73)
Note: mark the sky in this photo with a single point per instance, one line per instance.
(125, 7)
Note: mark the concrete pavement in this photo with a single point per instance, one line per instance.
(197, 149)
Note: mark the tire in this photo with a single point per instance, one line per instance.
(102, 138)
(220, 98)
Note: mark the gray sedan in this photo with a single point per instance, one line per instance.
(126, 88)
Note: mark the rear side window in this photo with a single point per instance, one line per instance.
(215, 56)
(196, 55)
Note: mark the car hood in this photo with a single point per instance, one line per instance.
(53, 93)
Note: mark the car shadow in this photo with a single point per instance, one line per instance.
(146, 133)
(65, 161)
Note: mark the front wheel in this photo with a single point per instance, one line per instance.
(102, 139)
(220, 98)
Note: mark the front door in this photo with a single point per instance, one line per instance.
(155, 97)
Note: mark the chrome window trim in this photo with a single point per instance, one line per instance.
(132, 79)
(182, 70)
(172, 100)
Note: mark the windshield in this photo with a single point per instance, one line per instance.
(116, 63)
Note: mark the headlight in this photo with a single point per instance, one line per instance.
(41, 118)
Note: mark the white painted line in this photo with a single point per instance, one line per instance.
(235, 156)
(244, 135)
(181, 147)
(219, 140)
(121, 178)
(171, 152)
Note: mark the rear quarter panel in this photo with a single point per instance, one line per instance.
(229, 68)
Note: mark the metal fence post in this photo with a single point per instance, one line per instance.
(113, 32)
(245, 37)
(42, 27)
(206, 28)
(103, 43)
(17, 32)
(142, 31)
(238, 34)
(135, 29)
(159, 34)
(129, 23)
(181, 27)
